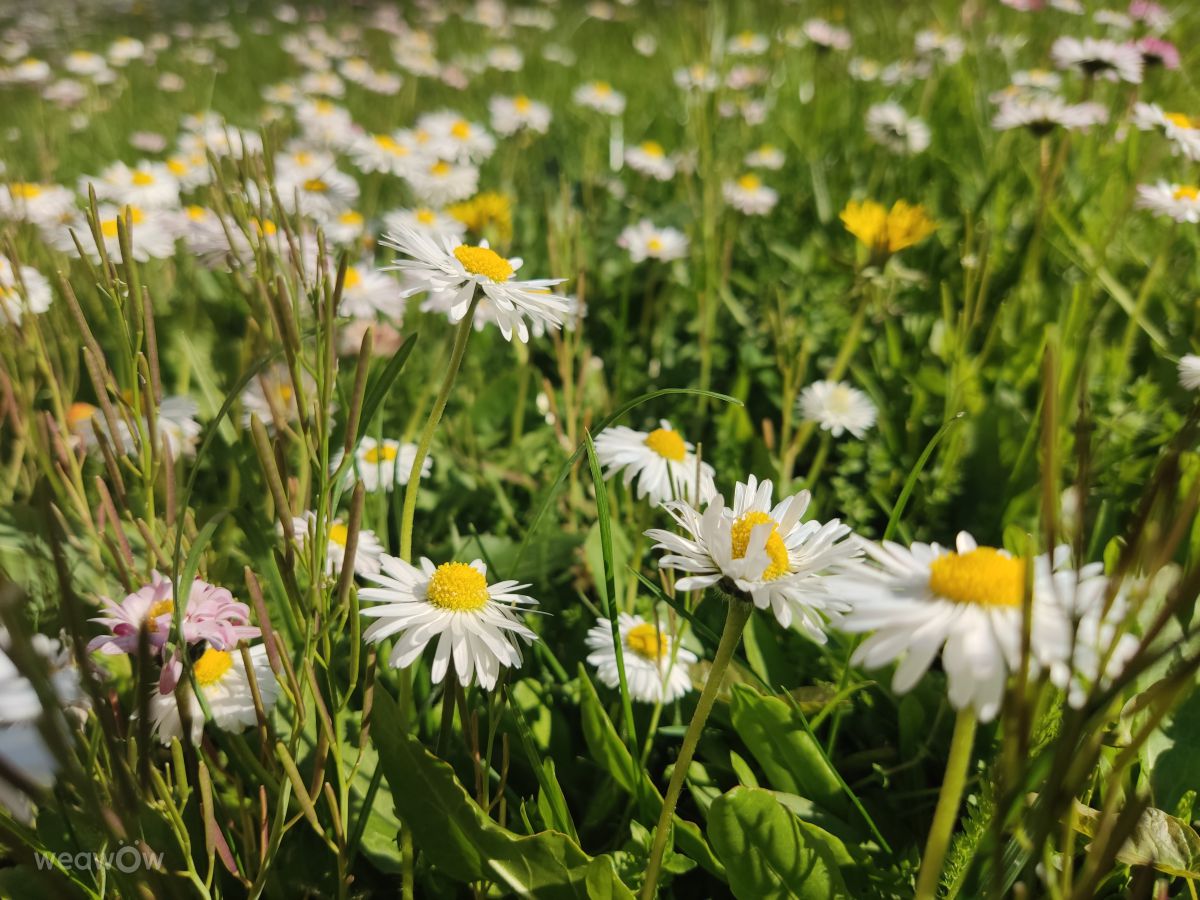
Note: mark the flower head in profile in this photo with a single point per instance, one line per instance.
(1180, 202)
(657, 670)
(837, 408)
(382, 464)
(22, 289)
(890, 126)
(366, 553)
(661, 461)
(600, 96)
(761, 551)
(1099, 58)
(478, 626)
(444, 265)
(222, 677)
(885, 232)
(1189, 372)
(747, 194)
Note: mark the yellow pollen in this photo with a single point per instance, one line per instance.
(646, 642)
(1186, 192)
(80, 413)
(24, 190)
(749, 182)
(984, 576)
(441, 168)
(522, 103)
(212, 666)
(161, 608)
(108, 228)
(351, 218)
(739, 537)
(667, 444)
(1181, 120)
(264, 227)
(426, 216)
(177, 166)
(653, 148)
(391, 145)
(323, 107)
(654, 245)
(483, 261)
(284, 393)
(353, 278)
(197, 213)
(316, 185)
(141, 179)
(746, 38)
(339, 533)
(457, 587)
(603, 88)
(380, 453)
(461, 129)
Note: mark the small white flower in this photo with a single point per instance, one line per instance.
(837, 407)
(697, 77)
(889, 125)
(367, 552)
(381, 465)
(477, 625)
(749, 195)
(1189, 372)
(424, 219)
(656, 669)
(512, 114)
(826, 35)
(645, 240)
(1182, 130)
(152, 233)
(1180, 202)
(149, 185)
(441, 182)
(456, 139)
(649, 158)
(221, 676)
(661, 461)
(1043, 112)
(271, 395)
(748, 43)
(1099, 57)
(28, 293)
(600, 96)
(366, 292)
(765, 157)
(44, 205)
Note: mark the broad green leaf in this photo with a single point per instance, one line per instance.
(768, 852)
(1164, 842)
(462, 842)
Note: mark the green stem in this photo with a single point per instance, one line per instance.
(435, 416)
(735, 622)
(947, 806)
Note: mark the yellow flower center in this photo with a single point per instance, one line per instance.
(654, 245)
(316, 186)
(391, 145)
(749, 182)
(108, 227)
(339, 533)
(197, 213)
(353, 279)
(483, 261)
(646, 642)
(24, 190)
(739, 537)
(603, 88)
(667, 444)
(457, 587)
(212, 666)
(351, 218)
(441, 168)
(177, 166)
(1181, 120)
(80, 413)
(1186, 192)
(380, 453)
(746, 38)
(141, 179)
(461, 129)
(161, 608)
(653, 148)
(264, 227)
(984, 576)
(522, 103)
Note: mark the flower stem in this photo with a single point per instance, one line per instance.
(735, 622)
(947, 806)
(435, 416)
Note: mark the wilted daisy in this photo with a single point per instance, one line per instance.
(1042, 112)
(382, 464)
(661, 461)
(22, 290)
(889, 125)
(656, 671)
(837, 407)
(967, 603)
(1099, 58)
(221, 676)
(766, 156)
(512, 114)
(649, 158)
(1189, 371)
(747, 194)
(477, 625)
(761, 551)
(1180, 202)
(645, 240)
(366, 554)
(885, 231)
(445, 266)
(600, 96)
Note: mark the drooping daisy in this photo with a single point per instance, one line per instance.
(749, 195)
(645, 240)
(761, 551)
(381, 465)
(1099, 58)
(837, 407)
(1180, 202)
(22, 290)
(1189, 372)
(656, 671)
(889, 125)
(661, 461)
(366, 554)
(445, 266)
(600, 96)
(477, 625)
(649, 158)
(512, 114)
(222, 677)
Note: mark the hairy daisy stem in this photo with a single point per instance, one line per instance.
(435, 416)
(949, 799)
(735, 623)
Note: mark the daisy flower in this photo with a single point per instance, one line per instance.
(1099, 57)
(656, 671)
(445, 266)
(271, 396)
(366, 554)
(383, 464)
(661, 461)
(747, 194)
(323, 197)
(1181, 129)
(83, 62)
(1157, 52)
(477, 625)
(600, 96)
(761, 551)
(22, 290)
(1180, 202)
(649, 158)
(346, 228)
(748, 43)
(366, 291)
(939, 46)
(149, 185)
(1042, 112)
(222, 678)
(837, 407)
(385, 153)
(1189, 372)
(442, 182)
(424, 219)
(456, 139)
(890, 126)
(44, 205)
(512, 114)
(645, 240)
(697, 78)
(765, 157)
(125, 50)
(825, 35)
(152, 233)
